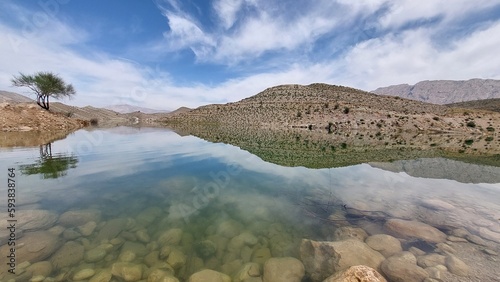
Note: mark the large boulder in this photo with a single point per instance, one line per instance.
(358, 273)
(322, 259)
(127, 271)
(407, 229)
(349, 232)
(286, 269)
(33, 247)
(31, 220)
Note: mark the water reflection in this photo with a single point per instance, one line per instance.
(146, 201)
(48, 165)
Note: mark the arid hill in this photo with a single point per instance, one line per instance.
(445, 91)
(11, 97)
(488, 104)
(336, 109)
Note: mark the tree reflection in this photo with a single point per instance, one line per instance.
(50, 166)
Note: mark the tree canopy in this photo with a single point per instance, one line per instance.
(45, 85)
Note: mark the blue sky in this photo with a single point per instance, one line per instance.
(165, 54)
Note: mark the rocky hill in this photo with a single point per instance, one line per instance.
(336, 109)
(488, 104)
(445, 91)
(11, 97)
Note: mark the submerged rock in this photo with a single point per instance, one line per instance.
(32, 220)
(127, 271)
(33, 247)
(111, 229)
(385, 244)
(286, 269)
(398, 270)
(69, 254)
(79, 217)
(322, 259)
(349, 232)
(83, 274)
(407, 229)
(358, 273)
(171, 237)
(209, 275)
(456, 266)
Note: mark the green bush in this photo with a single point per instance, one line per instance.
(471, 124)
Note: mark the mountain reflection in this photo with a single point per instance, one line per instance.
(50, 166)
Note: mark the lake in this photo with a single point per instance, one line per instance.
(147, 204)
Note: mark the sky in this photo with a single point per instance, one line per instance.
(164, 54)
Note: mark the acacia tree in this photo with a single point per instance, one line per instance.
(45, 85)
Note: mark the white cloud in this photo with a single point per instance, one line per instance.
(227, 10)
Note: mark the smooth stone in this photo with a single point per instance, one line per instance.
(84, 274)
(43, 268)
(231, 267)
(127, 271)
(285, 269)
(397, 270)
(148, 216)
(205, 248)
(135, 247)
(95, 254)
(32, 220)
(445, 248)
(79, 217)
(71, 253)
(102, 276)
(229, 228)
(247, 271)
(127, 256)
(435, 272)
(416, 251)
(322, 259)
(406, 256)
(111, 229)
(208, 275)
(158, 275)
(349, 232)
(358, 273)
(37, 278)
(176, 259)
(385, 244)
(430, 260)
(261, 255)
(142, 235)
(489, 252)
(475, 239)
(152, 258)
(456, 266)
(88, 228)
(33, 246)
(245, 238)
(71, 234)
(407, 229)
(171, 237)
(489, 235)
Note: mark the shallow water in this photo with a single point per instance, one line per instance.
(156, 181)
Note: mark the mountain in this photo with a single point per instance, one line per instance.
(445, 91)
(11, 97)
(125, 109)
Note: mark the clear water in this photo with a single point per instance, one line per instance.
(159, 181)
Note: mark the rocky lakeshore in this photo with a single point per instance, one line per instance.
(220, 245)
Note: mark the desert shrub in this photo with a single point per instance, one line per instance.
(346, 110)
(94, 121)
(469, 142)
(489, 139)
(435, 118)
(490, 129)
(471, 124)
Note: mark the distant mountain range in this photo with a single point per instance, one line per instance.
(125, 109)
(445, 91)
